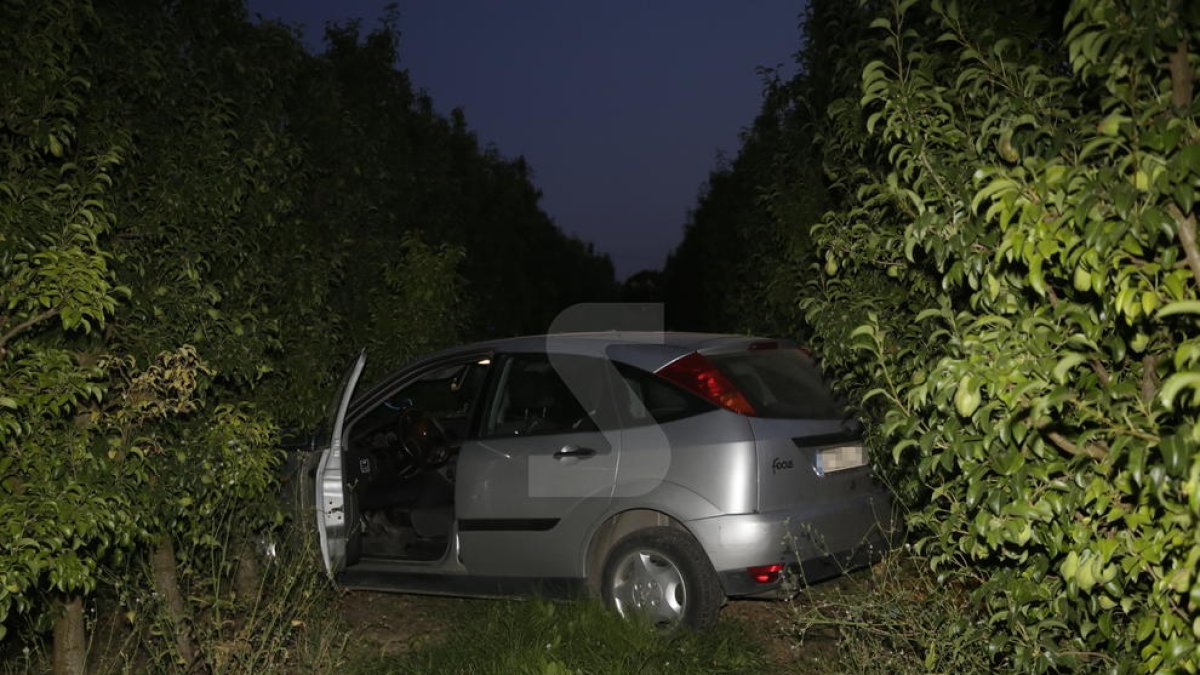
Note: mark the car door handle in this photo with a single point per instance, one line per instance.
(575, 451)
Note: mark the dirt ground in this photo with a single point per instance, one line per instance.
(398, 623)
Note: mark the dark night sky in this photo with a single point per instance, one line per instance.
(620, 106)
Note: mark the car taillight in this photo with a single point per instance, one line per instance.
(765, 574)
(698, 375)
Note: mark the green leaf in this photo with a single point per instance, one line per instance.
(928, 314)
(967, 397)
(1180, 307)
(1176, 453)
(1175, 385)
(898, 449)
(1083, 279)
(865, 329)
(1036, 280)
(1065, 364)
(1111, 125)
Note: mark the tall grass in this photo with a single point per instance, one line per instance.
(895, 617)
(547, 638)
(284, 627)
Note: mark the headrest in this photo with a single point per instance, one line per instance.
(531, 389)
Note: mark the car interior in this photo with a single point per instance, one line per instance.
(400, 462)
(532, 399)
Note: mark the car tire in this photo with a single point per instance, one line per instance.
(662, 574)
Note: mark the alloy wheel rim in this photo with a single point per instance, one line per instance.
(647, 583)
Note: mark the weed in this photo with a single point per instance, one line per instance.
(284, 627)
(895, 617)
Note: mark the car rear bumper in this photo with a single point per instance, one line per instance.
(815, 542)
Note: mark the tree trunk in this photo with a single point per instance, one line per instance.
(70, 645)
(166, 582)
(246, 578)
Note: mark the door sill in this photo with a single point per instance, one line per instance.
(394, 576)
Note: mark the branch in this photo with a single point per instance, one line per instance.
(1181, 77)
(1187, 239)
(1093, 451)
(38, 318)
(1149, 378)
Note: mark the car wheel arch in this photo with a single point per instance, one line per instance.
(615, 528)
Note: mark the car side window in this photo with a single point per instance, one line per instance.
(644, 398)
(446, 393)
(532, 398)
(439, 393)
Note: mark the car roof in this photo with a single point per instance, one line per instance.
(649, 350)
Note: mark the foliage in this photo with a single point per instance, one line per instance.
(415, 310)
(199, 223)
(57, 280)
(1006, 276)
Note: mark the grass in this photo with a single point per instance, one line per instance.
(547, 638)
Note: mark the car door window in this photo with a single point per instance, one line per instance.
(532, 397)
(446, 393)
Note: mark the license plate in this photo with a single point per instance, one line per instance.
(840, 458)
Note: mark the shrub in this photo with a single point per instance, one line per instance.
(1039, 384)
(1000, 266)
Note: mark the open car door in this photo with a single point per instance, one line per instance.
(334, 511)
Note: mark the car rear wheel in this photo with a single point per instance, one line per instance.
(662, 575)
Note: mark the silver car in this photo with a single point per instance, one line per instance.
(662, 472)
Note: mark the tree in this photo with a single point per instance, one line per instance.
(199, 223)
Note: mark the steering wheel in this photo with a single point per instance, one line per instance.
(423, 441)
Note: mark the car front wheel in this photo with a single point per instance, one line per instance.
(662, 575)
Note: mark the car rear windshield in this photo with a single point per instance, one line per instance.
(780, 383)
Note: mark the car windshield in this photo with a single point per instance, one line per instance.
(780, 383)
